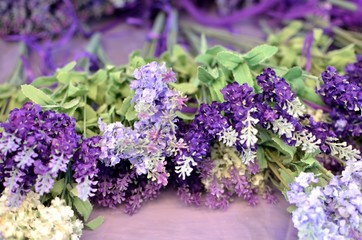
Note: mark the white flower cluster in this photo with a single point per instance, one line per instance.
(184, 167)
(33, 220)
(307, 141)
(295, 108)
(342, 150)
(249, 132)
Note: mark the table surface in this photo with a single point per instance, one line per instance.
(167, 217)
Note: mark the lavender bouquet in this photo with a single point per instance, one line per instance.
(124, 133)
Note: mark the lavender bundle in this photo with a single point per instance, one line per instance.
(136, 156)
(280, 125)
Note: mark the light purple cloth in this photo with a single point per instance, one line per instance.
(167, 217)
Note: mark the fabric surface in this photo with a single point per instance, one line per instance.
(167, 217)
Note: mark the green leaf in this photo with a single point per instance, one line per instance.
(84, 208)
(131, 114)
(95, 223)
(205, 59)
(291, 209)
(263, 164)
(74, 190)
(186, 88)
(185, 116)
(67, 77)
(70, 66)
(72, 103)
(229, 59)
(284, 148)
(57, 188)
(92, 92)
(293, 73)
(125, 106)
(37, 95)
(309, 161)
(215, 50)
(341, 57)
(242, 74)
(204, 76)
(99, 77)
(76, 89)
(263, 136)
(90, 113)
(44, 81)
(259, 54)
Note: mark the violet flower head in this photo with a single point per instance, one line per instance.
(344, 96)
(332, 212)
(153, 136)
(85, 166)
(120, 184)
(36, 146)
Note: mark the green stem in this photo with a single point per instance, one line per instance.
(327, 174)
(344, 4)
(158, 26)
(317, 79)
(67, 180)
(238, 41)
(85, 118)
(345, 35)
(276, 173)
(270, 155)
(172, 37)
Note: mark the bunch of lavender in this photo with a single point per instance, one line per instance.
(238, 123)
(121, 184)
(152, 138)
(330, 212)
(35, 18)
(36, 146)
(344, 96)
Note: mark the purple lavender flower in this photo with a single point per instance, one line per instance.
(36, 147)
(344, 96)
(153, 136)
(120, 184)
(85, 167)
(332, 212)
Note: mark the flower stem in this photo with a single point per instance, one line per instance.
(85, 118)
(344, 4)
(276, 173)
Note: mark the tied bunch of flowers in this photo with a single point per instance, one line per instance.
(33, 220)
(36, 146)
(39, 147)
(135, 157)
(330, 212)
(242, 123)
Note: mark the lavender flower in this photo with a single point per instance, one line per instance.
(85, 167)
(153, 138)
(332, 212)
(36, 146)
(343, 95)
(120, 184)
